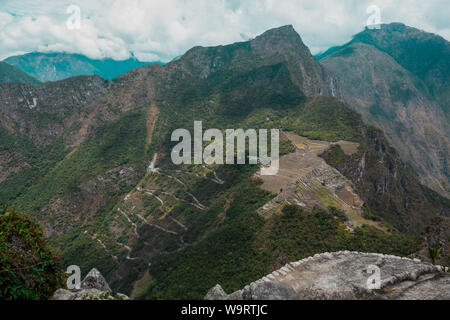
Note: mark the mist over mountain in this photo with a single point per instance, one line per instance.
(59, 66)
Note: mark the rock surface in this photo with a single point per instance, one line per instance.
(347, 276)
(93, 287)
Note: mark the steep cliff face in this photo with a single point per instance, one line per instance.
(396, 78)
(386, 184)
(435, 247)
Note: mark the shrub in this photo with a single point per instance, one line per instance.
(29, 269)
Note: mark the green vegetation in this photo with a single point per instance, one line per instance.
(116, 144)
(246, 247)
(434, 253)
(325, 118)
(39, 162)
(29, 269)
(81, 250)
(227, 255)
(335, 156)
(338, 214)
(297, 234)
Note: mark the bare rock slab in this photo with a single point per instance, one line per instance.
(347, 276)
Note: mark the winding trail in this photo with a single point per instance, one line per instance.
(151, 192)
(155, 225)
(94, 237)
(129, 220)
(218, 180)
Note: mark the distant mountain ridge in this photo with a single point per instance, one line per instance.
(9, 73)
(58, 66)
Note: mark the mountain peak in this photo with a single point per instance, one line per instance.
(287, 30)
(285, 33)
(281, 45)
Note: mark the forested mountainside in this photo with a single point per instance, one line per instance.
(398, 79)
(95, 170)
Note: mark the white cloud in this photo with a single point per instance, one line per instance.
(163, 29)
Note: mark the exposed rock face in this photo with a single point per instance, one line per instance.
(216, 293)
(93, 287)
(347, 275)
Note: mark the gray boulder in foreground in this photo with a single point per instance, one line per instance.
(347, 276)
(93, 287)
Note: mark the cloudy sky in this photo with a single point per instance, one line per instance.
(163, 29)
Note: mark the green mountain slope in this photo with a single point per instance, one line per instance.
(8, 73)
(59, 66)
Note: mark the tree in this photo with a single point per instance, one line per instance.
(29, 269)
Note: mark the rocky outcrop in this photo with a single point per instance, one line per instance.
(347, 276)
(93, 287)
